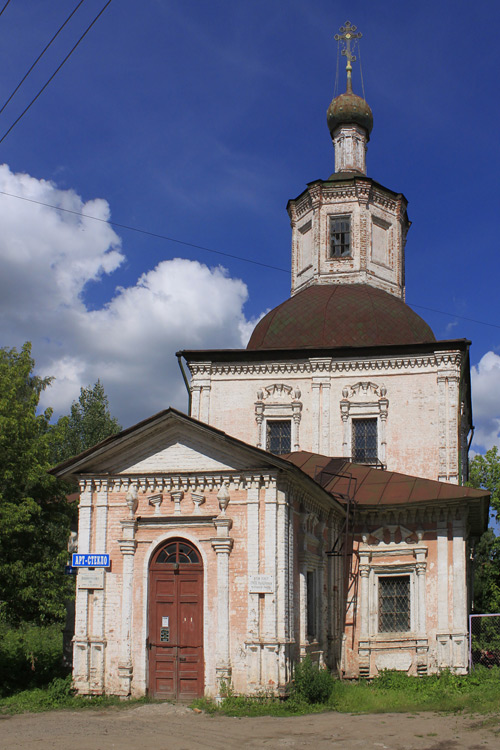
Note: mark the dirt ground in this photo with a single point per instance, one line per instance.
(175, 727)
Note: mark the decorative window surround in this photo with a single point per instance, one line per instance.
(359, 401)
(278, 401)
(371, 570)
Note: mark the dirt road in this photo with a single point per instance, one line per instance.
(175, 727)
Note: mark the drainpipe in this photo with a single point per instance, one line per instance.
(186, 383)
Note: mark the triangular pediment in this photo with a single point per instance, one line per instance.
(168, 442)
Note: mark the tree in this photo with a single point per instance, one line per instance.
(88, 423)
(34, 513)
(484, 472)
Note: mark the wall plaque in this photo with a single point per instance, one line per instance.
(261, 584)
(90, 579)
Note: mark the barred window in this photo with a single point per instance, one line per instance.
(340, 236)
(279, 436)
(393, 604)
(364, 440)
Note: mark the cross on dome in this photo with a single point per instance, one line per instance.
(348, 34)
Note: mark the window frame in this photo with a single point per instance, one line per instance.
(274, 421)
(333, 254)
(385, 578)
(378, 571)
(369, 460)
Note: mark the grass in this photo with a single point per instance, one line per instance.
(391, 692)
(59, 695)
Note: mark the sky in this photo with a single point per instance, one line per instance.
(197, 121)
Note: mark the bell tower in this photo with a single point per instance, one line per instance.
(349, 229)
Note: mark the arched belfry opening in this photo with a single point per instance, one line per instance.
(175, 621)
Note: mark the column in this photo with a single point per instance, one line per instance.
(253, 552)
(459, 645)
(443, 630)
(422, 618)
(81, 664)
(269, 635)
(364, 572)
(315, 416)
(98, 642)
(453, 427)
(205, 403)
(223, 545)
(442, 426)
(128, 546)
(325, 418)
(195, 401)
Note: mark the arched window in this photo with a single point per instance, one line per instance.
(177, 551)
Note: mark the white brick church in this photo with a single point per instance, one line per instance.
(312, 501)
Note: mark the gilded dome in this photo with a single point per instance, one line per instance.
(340, 315)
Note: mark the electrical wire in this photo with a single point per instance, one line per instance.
(40, 56)
(55, 72)
(146, 232)
(1, 11)
(130, 228)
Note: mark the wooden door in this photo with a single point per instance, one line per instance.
(175, 641)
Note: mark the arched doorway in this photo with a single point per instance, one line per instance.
(175, 637)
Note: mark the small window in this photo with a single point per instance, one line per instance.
(311, 605)
(340, 236)
(393, 604)
(279, 436)
(364, 441)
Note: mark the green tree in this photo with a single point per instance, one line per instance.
(34, 514)
(88, 423)
(484, 472)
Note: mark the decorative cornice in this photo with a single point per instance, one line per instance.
(328, 365)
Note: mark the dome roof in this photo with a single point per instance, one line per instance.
(340, 315)
(349, 108)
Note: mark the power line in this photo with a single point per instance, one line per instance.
(146, 232)
(211, 250)
(55, 72)
(40, 55)
(1, 11)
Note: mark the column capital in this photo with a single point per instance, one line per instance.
(222, 545)
(127, 546)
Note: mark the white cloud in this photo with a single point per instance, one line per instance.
(48, 257)
(486, 400)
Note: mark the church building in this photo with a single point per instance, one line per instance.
(312, 500)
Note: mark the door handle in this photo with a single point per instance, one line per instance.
(182, 658)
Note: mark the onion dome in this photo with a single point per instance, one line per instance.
(349, 108)
(340, 315)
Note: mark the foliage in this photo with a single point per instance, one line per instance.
(30, 656)
(88, 423)
(391, 691)
(311, 683)
(484, 472)
(60, 694)
(34, 514)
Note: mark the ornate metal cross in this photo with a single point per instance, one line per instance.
(348, 34)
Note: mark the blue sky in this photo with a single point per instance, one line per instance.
(199, 121)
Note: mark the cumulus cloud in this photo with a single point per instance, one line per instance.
(486, 401)
(48, 257)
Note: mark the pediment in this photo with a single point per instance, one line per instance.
(169, 443)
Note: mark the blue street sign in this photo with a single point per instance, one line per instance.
(70, 570)
(94, 560)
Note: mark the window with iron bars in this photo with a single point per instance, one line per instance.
(279, 436)
(340, 236)
(393, 604)
(364, 441)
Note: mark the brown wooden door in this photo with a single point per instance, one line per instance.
(175, 641)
